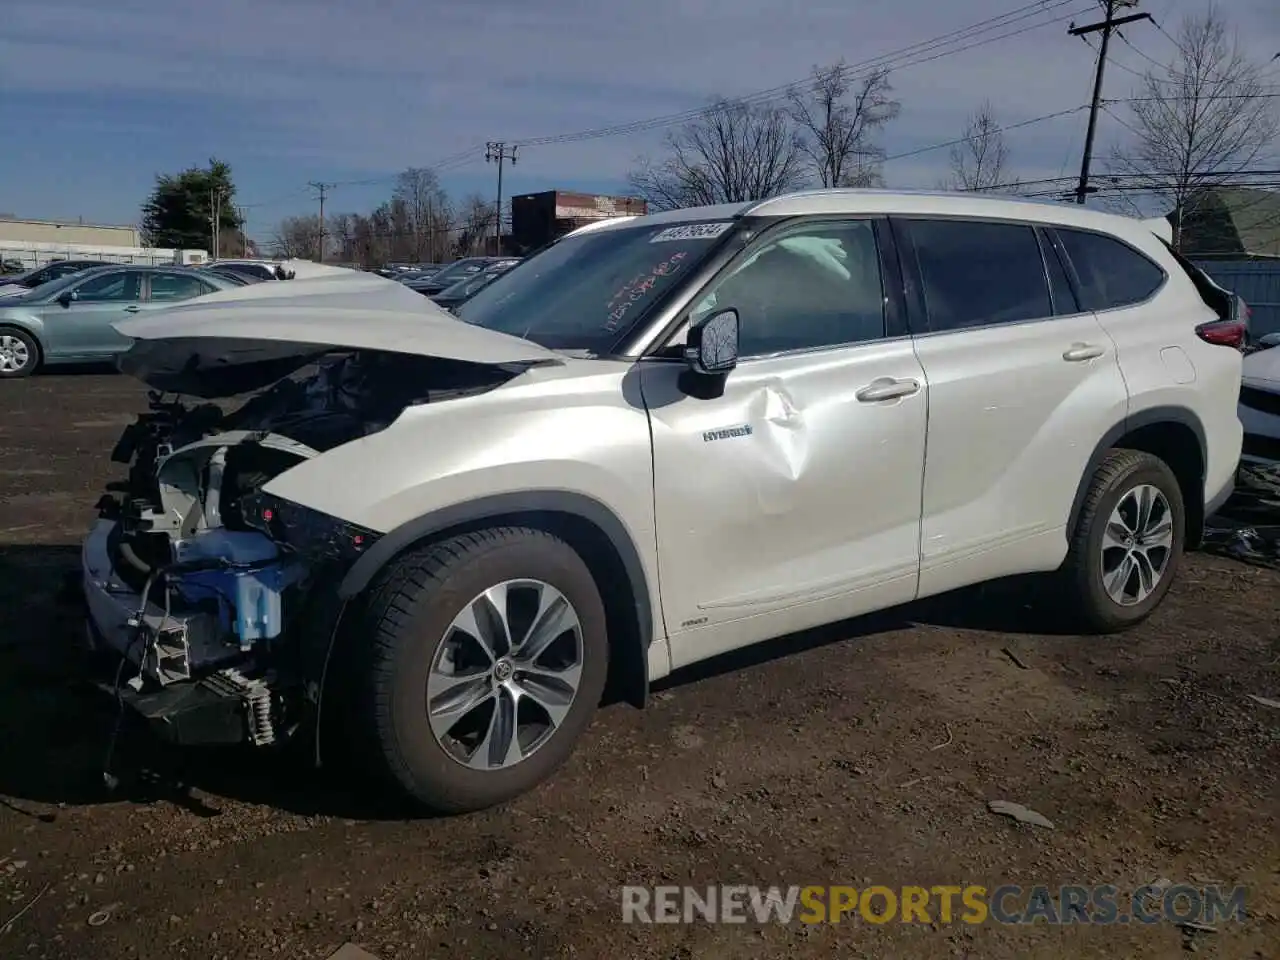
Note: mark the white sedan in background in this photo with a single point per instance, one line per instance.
(1259, 409)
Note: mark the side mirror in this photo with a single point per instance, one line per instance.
(712, 347)
(67, 298)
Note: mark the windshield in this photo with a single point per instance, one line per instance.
(48, 289)
(21, 279)
(468, 286)
(457, 270)
(582, 292)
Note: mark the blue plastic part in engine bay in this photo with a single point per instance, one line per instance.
(248, 585)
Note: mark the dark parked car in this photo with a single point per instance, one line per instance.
(231, 276)
(466, 288)
(458, 270)
(56, 270)
(253, 269)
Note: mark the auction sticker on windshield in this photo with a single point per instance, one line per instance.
(690, 231)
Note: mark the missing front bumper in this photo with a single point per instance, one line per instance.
(178, 675)
(224, 707)
(187, 714)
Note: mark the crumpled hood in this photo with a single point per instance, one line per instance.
(237, 340)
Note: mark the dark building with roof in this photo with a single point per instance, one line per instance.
(539, 218)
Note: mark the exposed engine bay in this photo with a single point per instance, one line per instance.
(194, 579)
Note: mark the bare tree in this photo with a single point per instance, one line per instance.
(838, 118)
(735, 151)
(475, 225)
(424, 209)
(980, 161)
(1198, 122)
(297, 238)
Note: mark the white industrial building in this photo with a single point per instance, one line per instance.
(33, 243)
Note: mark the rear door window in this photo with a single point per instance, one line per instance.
(978, 273)
(168, 287)
(123, 286)
(1112, 273)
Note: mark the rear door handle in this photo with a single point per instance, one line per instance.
(886, 388)
(1079, 352)
(132, 308)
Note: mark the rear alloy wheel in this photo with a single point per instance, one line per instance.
(19, 353)
(1137, 544)
(489, 658)
(1127, 544)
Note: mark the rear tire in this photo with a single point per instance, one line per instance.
(19, 353)
(1116, 572)
(415, 652)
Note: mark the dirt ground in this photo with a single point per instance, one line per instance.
(861, 754)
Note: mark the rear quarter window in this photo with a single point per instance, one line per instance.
(1112, 274)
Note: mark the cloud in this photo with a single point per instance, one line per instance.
(377, 86)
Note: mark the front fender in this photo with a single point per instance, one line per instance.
(32, 326)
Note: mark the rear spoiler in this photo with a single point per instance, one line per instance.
(1161, 227)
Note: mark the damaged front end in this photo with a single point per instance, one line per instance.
(216, 599)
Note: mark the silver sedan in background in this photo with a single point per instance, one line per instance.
(70, 320)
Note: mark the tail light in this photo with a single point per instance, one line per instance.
(1224, 333)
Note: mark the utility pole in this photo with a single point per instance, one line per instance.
(323, 190)
(496, 151)
(215, 217)
(1105, 27)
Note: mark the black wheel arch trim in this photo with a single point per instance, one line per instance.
(1136, 421)
(327, 613)
(498, 506)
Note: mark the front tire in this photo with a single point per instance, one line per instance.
(487, 656)
(1127, 544)
(19, 353)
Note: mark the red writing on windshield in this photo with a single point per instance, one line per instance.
(636, 289)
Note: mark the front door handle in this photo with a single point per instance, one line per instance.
(886, 388)
(1079, 352)
(132, 308)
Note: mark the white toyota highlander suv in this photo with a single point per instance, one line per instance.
(433, 541)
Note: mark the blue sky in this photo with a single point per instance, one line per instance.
(95, 99)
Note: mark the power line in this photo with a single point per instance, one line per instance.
(894, 60)
(1151, 60)
(1143, 177)
(495, 151)
(1116, 63)
(1198, 98)
(1007, 127)
(1106, 108)
(1108, 24)
(923, 51)
(322, 190)
(1193, 57)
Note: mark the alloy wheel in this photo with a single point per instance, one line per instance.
(1136, 545)
(14, 355)
(505, 675)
